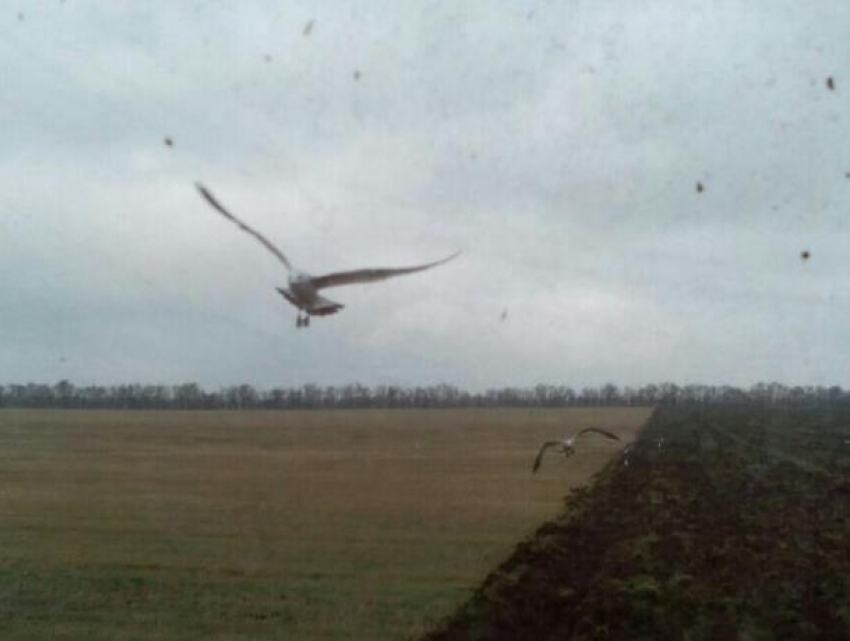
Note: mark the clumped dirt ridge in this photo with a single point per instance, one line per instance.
(724, 524)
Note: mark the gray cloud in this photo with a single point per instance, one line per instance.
(559, 144)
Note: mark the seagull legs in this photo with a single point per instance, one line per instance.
(302, 321)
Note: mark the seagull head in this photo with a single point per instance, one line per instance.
(296, 276)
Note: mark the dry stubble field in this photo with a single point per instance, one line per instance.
(323, 525)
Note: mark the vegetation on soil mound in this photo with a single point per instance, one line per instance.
(720, 524)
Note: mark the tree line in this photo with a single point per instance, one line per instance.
(191, 396)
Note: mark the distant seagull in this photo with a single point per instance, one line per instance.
(303, 291)
(566, 446)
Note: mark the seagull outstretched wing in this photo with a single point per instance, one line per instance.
(542, 451)
(372, 275)
(597, 430)
(220, 209)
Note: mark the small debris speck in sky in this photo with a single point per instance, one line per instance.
(21, 17)
(308, 28)
(168, 141)
(356, 74)
(267, 58)
(700, 188)
(504, 314)
(830, 83)
(805, 255)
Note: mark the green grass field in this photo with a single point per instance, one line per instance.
(227, 525)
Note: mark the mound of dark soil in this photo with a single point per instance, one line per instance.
(720, 524)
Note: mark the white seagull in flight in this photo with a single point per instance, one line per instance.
(567, 445)
(303, 290)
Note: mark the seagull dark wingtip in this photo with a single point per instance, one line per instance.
(206, 193)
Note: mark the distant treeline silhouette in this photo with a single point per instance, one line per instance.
(190, 396)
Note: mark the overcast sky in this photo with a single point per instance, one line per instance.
(559, 144)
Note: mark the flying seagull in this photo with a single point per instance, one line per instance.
(303, 290)
(567, 445)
